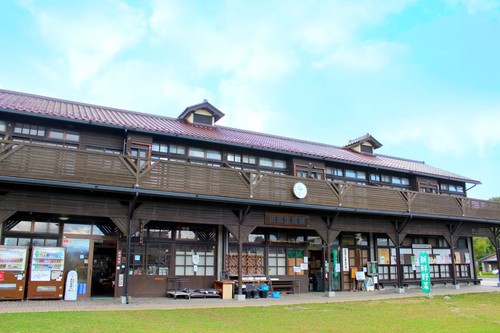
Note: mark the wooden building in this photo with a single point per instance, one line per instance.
(144, 203)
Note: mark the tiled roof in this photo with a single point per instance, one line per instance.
(38, 105)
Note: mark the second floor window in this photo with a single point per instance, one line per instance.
(451, 189)
(28, 129)
(64, 135)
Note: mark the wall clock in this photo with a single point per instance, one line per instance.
(299, 190)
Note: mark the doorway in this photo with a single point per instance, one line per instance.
(357, 260)
(103, 270)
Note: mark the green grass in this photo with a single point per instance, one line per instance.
(461, 313)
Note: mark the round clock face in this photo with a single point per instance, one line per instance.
(300, 190)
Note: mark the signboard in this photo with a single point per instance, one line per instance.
(295, 220)
(425, 275)
(71, 286)
(345, 259)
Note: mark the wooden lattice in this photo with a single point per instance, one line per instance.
(252, 264)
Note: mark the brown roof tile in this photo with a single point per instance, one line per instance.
(46, 106)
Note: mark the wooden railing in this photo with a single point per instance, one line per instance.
(42, 162)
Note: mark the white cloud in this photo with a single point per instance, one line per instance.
(150, 88)
(250, 108)
(367, 56)
(322, 26)
(449, 130)
(90, 37)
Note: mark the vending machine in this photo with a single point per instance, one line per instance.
(13, 263)
(46, 278)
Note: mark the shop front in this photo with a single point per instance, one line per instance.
(88, 247)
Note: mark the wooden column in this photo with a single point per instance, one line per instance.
(399, 236)
(495, 240)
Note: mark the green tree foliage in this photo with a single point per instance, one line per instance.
(482, 247)
(496, 199)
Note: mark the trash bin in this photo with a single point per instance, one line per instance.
(263, 291)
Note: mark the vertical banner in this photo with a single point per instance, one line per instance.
(345, 260)
(335, 262)
(425, 275)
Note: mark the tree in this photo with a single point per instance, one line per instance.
(482, 247)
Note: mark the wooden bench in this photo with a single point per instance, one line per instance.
(287, 285)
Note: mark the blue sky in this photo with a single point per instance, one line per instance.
(423, 77)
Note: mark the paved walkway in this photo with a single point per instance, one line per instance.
(488, 285)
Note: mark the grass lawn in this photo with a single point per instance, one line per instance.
(461, 313)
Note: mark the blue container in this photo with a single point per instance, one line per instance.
(275, 294)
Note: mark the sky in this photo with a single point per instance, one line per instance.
(422, 77)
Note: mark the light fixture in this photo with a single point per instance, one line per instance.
(63, 218)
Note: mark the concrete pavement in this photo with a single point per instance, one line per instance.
(143, 303)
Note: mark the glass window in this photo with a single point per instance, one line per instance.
(79, 229)
(382, 242)
(301, 173)
(249, 159)
(277, 261)
(175, 149)
(12, 241)
(350, 173)
(24, 241)
(28, 129)
(159, 147)
(160, 233)
(256, 238)
(234, 158)
(2, 126)
(355, 174)
(56, 134)
(196, 152)
(158, 259)
(22, 226)
(47, 227)
(280, 164)
(267, 162)
(185, 233)
(72, 136)
(214, 155)
(185, 256)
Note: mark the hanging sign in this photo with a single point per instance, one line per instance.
(425, 275)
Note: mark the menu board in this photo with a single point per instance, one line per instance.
(47, 264)
(12, 258)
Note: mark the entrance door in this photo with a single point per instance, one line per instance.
(77, 258)
(103, 270)
(358, 258)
